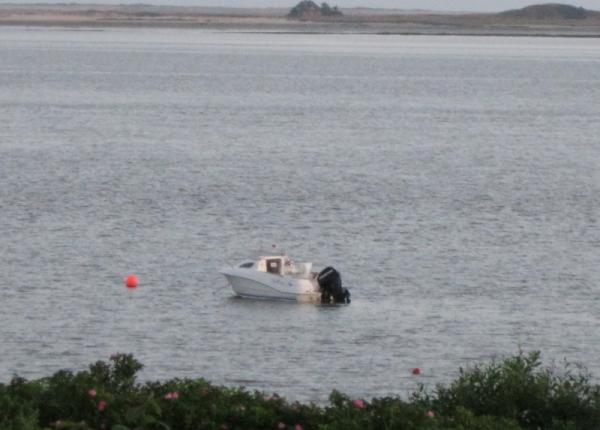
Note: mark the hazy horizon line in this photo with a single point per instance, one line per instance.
(455, 6)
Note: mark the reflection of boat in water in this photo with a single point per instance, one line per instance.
(279, 278)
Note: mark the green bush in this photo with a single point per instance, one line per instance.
(514, 394)
(519, 389)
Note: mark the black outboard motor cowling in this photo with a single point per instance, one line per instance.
(330, 282)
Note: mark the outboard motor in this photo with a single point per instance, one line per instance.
(330, 282)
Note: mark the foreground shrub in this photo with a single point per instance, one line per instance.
(519, 389)
(513, 394)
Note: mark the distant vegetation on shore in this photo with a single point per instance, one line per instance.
(550, 11)
(308, 9)
(538, 20)
(514, 394)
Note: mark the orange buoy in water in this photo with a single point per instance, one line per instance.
(416, 371)
(131, 281)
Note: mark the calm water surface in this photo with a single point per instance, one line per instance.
(454, 182)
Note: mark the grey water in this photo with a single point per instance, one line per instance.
(453, 181)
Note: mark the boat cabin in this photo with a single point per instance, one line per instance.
(269, 264)
(278, 265)
(274, 264)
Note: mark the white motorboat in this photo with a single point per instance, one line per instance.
(277, 277)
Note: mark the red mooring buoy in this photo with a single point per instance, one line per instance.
(131, 281)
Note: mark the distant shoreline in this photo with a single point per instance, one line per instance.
(357, 21)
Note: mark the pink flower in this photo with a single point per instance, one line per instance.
(173, 395)
(359, 403)
(430, 414)
(298, 427)
(416, 371)
(102, 405)
(114, 356)
(92, 392)
(281, 426)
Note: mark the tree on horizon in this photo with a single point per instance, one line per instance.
(327, 10)
(308, 9)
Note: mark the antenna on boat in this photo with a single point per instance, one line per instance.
(281, 250)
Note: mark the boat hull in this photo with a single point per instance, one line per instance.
(257, 285)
